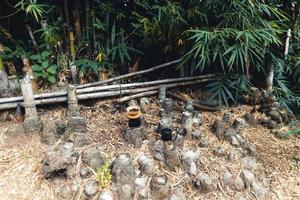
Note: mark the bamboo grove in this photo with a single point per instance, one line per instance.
(244, 43)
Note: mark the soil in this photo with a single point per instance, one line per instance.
(21, 155)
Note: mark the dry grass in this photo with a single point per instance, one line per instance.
(21, 156)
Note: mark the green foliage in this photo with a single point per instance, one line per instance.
(104, 175)
(43, 68)
(33, 8)
(226, 89)
(87, 66)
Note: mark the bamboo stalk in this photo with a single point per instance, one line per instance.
(130, 74)
(105, 94)
(108, 87)
(135, 96)
(196, 105)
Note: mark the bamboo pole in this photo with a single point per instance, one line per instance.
(105, 94)
(108, 87)
(135, 96)
(130, 74)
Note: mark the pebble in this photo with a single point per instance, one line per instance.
(190, 156)
(91, 188)
(203, 142)
(227, 178)
(147, 164)
(106, 195)
(204, 182)
(248, 177)
(259, 191)
(239, 123)
(84, 172)
(239, 184)
(219, 151)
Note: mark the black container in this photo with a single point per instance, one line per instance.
(166, 134)
(134, 123)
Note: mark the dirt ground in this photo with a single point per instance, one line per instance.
(21, 155)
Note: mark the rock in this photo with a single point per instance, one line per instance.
(187, 124)
(91, 188)
(190, 156)
(228, 133)
(179, 139)
(250, 119)
(171, 156)
(58, 161)
(168, 105)
(92, 157)
(160, 187)
(144, 104)
(135, 136)
(146, 165)
(140, 183)
(239, 123)
(204, 182)
(203, 142)
(271, 124)
(248, 177)
(84, 171)
(226, 117)
(219, 151)
(227, 178)
(126, 192)
(259, 191)
(197, 119)
(106, 195)
(165, 122)
(249, 163)
(218, 128)
(132, 102)
(234, 141)
(275, 116)
(192, 169)
(123, 170)
(79, 139)
(196, 135)
(239, 184)
(158, 150)
(232, 156)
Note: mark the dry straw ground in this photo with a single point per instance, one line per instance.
(21, 155)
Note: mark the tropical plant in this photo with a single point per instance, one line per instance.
(43, 67)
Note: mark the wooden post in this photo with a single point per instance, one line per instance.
(32, 122)
(162, 93)
(187, 123)
(72, 102)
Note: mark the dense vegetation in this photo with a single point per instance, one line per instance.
(245, 42)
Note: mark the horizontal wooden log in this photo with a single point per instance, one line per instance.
(105, 94)
(131, 74)
(135, 96)
(106, 87)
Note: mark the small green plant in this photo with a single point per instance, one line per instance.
(87, 66)
(43, 67)
(104, 175)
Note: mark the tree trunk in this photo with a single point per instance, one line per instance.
(87, 20)
(269, 75)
